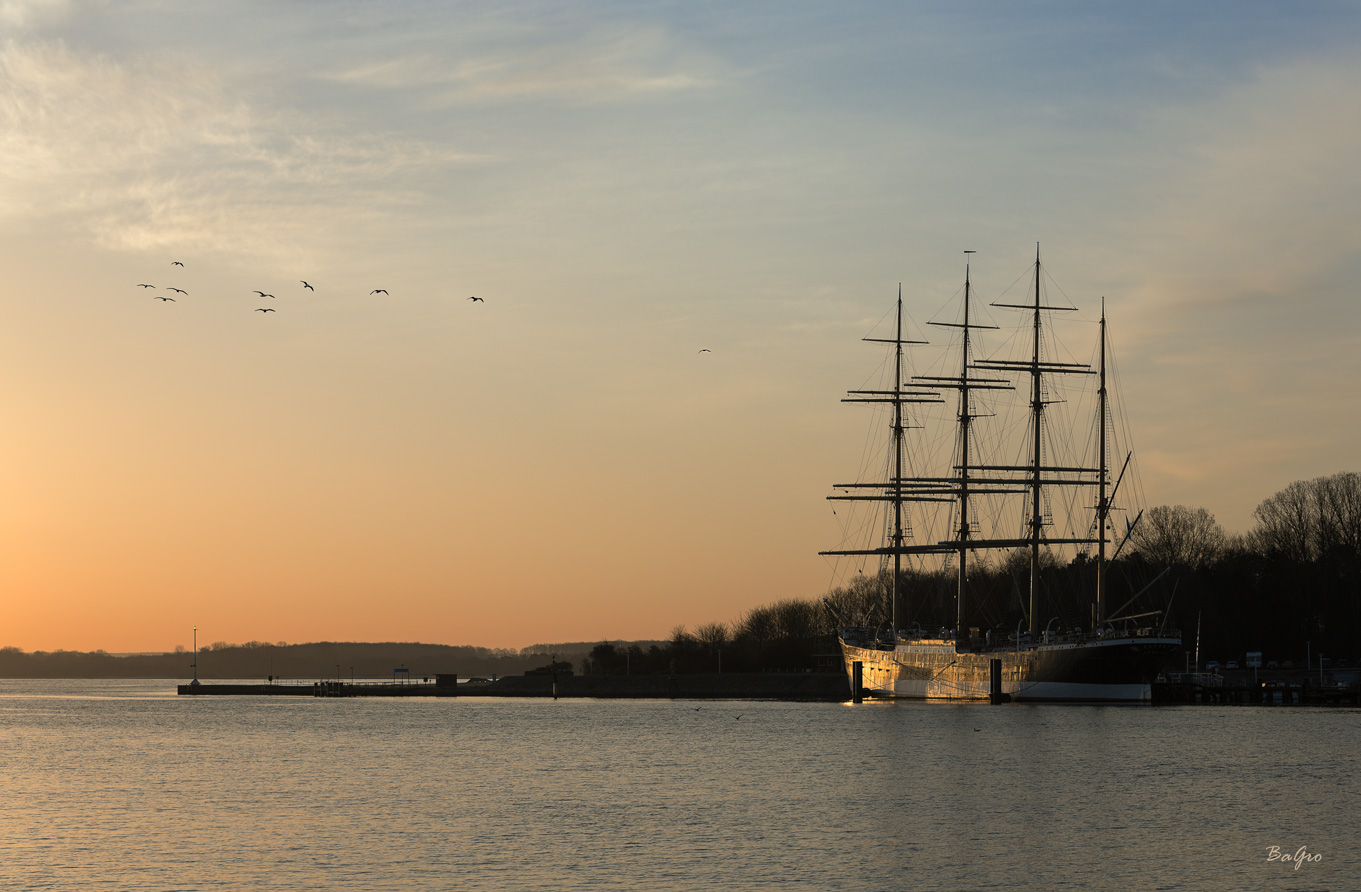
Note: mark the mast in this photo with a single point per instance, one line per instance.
(1037, 420)
(897, 460)
(1033, 479)
(896, 490)
(964, 418)
(1103, 508)
(960, 486)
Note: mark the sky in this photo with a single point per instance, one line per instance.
(624, 185)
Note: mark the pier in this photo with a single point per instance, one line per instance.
(807, 686)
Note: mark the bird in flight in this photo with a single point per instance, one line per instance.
(262, 294)
(176, 263)
(305, 285)
(180, 290)
(140, 285)
(380, 291)
(478, 299)
(706, 350)
(265, 310)
(171, 299)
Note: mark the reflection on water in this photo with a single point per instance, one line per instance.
(121, 785)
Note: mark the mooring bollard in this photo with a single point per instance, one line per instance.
(995, 694)
(857, 682)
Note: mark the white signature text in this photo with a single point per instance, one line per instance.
(1301, 855)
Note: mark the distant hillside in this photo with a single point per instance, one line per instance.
(318, 660)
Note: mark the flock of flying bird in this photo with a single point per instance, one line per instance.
(262, 294)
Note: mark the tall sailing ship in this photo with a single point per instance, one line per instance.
(1084, 652)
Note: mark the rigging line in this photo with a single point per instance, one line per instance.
(873, 446)
(875, 326)
(1120, 421)
(1026, 274)
(1044, 272)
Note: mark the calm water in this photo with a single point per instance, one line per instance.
(122, 785)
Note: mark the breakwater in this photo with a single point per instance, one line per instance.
(824, 687)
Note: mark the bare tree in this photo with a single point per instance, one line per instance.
(757, 625)
(1178, 536)
(797, 619)
(1310, 519)
(713, 635)
(863, 601)
(1285, 523)
(1339, 513)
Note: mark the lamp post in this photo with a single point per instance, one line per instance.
(195, 663)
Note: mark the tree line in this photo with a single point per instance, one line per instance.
(307, 662)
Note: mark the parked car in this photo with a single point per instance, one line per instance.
(1231, 664)
(1212, 666)
(1273, 665)
(1288, 664)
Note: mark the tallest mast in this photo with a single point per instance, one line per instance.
(897, 458)
(964, 418)
(1037, 421)
(1103, 508)
(1034, 472)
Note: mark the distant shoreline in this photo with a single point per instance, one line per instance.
(310, 661)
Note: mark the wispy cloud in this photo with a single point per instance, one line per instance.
(19, 14)
(151, 152)
(631, 63)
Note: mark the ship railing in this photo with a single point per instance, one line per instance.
(1078, 636)
(881, 639)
